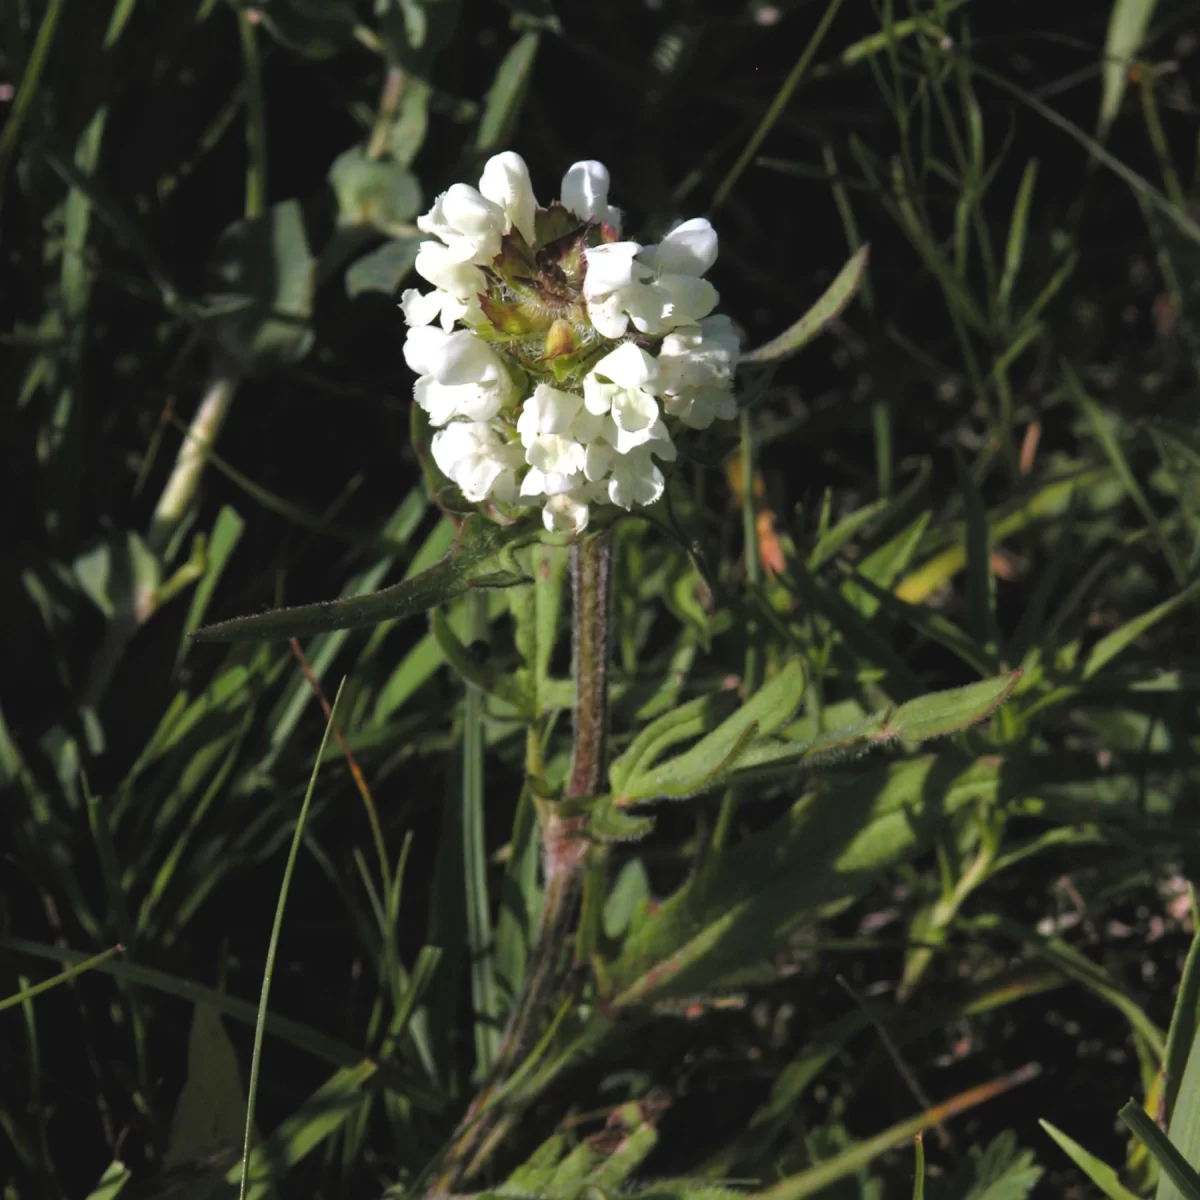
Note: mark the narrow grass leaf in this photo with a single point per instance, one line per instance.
(1181, 1036)
(857, 1156)
(30, 82)
(36, 989)
(1107, 648)
(1179, 1180)
(778, 104)
(273, 947)
(1103, 432)
(1100, 1173)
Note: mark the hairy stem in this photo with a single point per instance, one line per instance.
(564, 857)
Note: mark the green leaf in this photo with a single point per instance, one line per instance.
(859, 1154)
(1182, 1034)
(629, 892)
(469, 565)
(376, 192)
(116, 1176)
(1100, 1173)
(210, 1114)
(384, 268)
(313, 28)
(267, 264)
(119, 575)
(506, 96)
(837, 296)
(1184, 1128)
(1178, 1179)
(717, 753)
(1127, 24)
(681, 724)
(943, 713)
(727, 930)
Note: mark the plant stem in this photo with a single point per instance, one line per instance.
(180, 489)
(564, 859)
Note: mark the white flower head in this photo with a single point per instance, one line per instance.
(500, 360)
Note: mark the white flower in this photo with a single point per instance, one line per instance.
(460, 376)
(469, 223)
(635, 479)
(477, 458)
(505, 181)
(696, 365)
(611, 266)
(554, 447)
(565, 513)
(656, 287)
(619, 385)
(459, 283)
(585, 193)
(689, 249)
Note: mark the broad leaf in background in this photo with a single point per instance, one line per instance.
(375, 192)
(383, 269)
(210, 1114)
(268, 267)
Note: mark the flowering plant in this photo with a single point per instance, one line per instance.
(556, 361)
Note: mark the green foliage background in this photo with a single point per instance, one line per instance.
(989, 463)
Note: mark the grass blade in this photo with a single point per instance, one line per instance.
(1180, 1178)
(780, 102)
(1100, 1173)
(273, 946)
(35, 989)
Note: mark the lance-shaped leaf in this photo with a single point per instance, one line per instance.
(680, 724)
(482, 558)
(936, 715)
(837, 296)
(711, 758)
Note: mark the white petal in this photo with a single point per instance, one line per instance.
(628, 365)
(597, 396)
(689, 249)
(445, 269)
(635, 480)
(649, 307)
(553, 410)
(565, 514)
(534, 483)
(689, 298)
(598, 461)
(588, 426)
(480, 221)
(585, 190)
(634, 410)
(444, 402)
(505, 181)
(437, 400)
(609, 267)
(608, 316)
(421, 309)
(555, 455)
